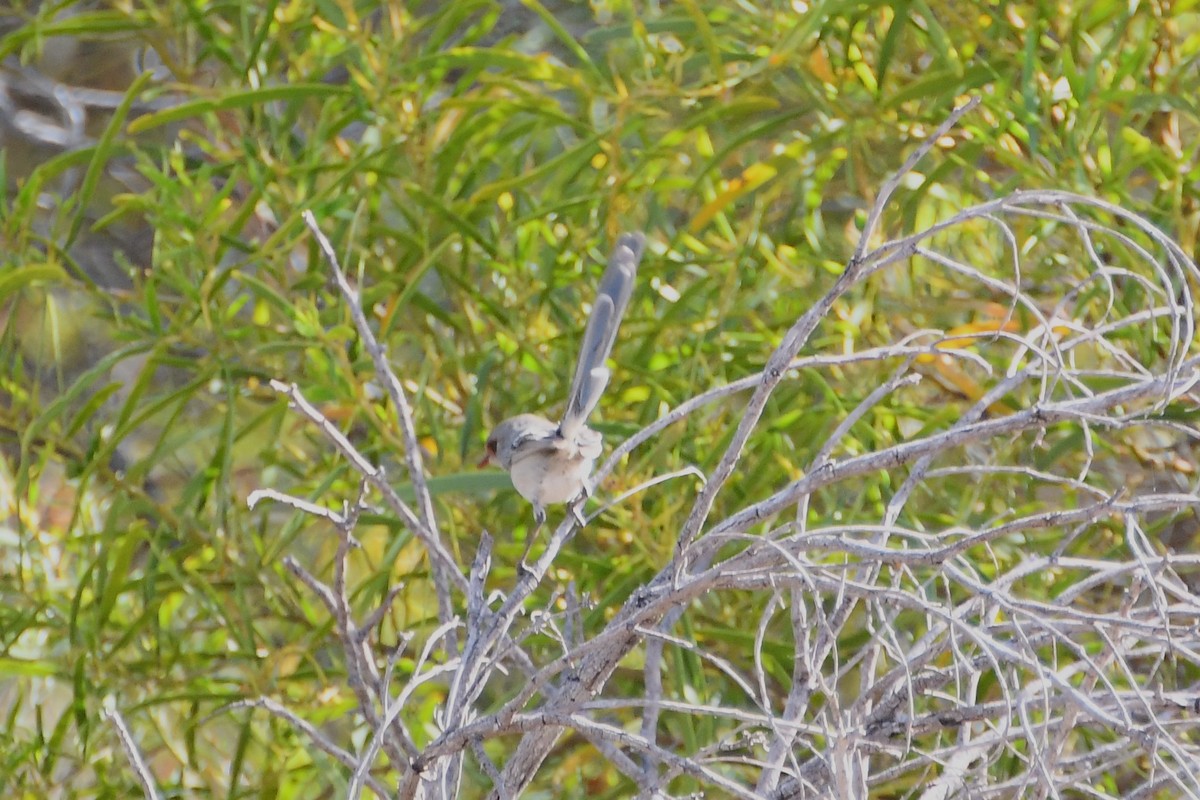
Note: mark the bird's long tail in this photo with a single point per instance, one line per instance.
(591, 375)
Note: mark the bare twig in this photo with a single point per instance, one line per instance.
(314, 735)
(149, 788)
(412, 448)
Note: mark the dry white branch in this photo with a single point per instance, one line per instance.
(1044, 360)
(314, 735)
(885, 647)
(149, 788)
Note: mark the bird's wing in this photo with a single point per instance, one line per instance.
(591, 376)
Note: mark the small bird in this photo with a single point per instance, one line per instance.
(552, 463)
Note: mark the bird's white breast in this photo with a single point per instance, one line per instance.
(544, 481)
(553, 469)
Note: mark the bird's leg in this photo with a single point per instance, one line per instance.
(539, 518)
(585, 491)
(576, 509)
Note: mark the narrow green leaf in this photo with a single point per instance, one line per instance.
(16, 279)
(100, 156)
(11, 667)
(563, 35)
(294, 92)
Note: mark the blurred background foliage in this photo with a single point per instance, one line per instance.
(473, 161)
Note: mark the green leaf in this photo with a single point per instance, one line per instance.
(15, 279)
(466, 483)
(248, 99)
(101, 154)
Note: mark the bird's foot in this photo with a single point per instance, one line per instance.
(539, 517)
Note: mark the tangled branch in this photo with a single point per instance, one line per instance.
(917, 657)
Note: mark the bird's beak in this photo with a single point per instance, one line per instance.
(489, 453)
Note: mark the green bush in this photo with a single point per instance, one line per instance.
(472, 162)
